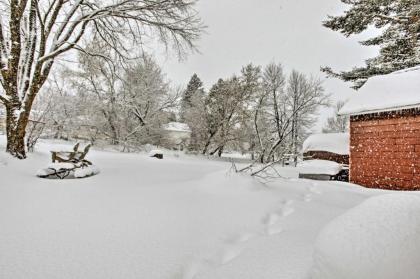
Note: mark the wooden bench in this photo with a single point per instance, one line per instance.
(74, 156)
(65, 162)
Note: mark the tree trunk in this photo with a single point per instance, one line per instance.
(15, 131)
(207, 145)
(221, 148)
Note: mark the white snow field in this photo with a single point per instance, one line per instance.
(377, 239)
(177, 218)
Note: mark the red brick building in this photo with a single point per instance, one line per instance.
(385, 132)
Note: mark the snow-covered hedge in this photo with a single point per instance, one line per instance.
(379, 239)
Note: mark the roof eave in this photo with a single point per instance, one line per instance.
(379, 110)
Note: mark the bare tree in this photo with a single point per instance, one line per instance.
(127, 103)
(304, 96)
(227, 106)
(282, 112)
(147, 100)
(337, 123)
(33, 33)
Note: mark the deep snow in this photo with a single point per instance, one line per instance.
(377, 239)
(177, 218)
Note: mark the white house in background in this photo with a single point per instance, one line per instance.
(179, 134)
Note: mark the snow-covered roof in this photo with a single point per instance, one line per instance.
(177, 127)
(338, 143)
(399, 90)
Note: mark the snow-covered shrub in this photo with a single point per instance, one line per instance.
(379, 239)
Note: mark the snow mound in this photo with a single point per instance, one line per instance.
(86, 171)
(398, 90)
(378, 239)
(177, 127)
(338, 143)
(319, 167)
(44, 172)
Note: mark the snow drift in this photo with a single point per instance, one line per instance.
(378, 239)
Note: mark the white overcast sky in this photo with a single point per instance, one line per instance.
(261, 31)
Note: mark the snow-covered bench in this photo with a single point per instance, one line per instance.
(65, 163)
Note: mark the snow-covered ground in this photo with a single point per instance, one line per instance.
(177, 218)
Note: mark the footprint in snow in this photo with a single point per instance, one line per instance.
(271, 219)
(241, 237)
(287, 202)
(190, 271)
(307, 197)
(230, 252)
(275, 229)
(234, 245)
(286, 211)
(314, 189)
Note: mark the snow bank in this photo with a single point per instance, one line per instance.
(378, 239)
(319, 167)
(385, 93)
(338, 143)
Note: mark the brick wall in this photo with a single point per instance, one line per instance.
(324, 155)
(385, 150)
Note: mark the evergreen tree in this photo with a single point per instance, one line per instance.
(399, 40)
(194, 88)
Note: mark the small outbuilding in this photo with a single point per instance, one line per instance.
(385, 132)
(331, 147)
(179, 134)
